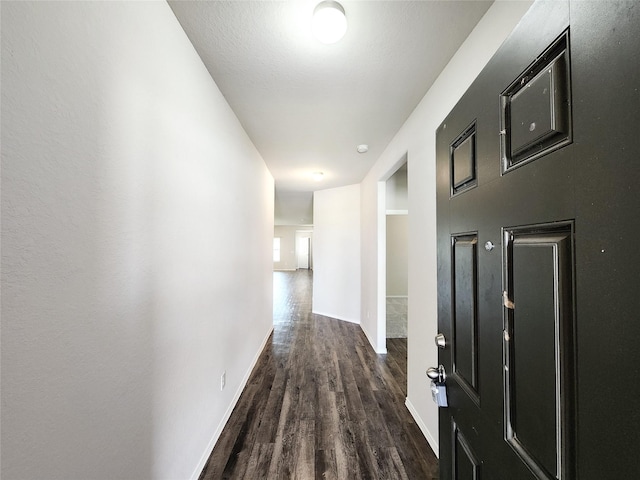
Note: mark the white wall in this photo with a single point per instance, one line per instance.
(287, 235)
(293, 208)
(397, 233)
(136, 245)
(417, 138)
(397, 195)
(397, 255)
(336, 251)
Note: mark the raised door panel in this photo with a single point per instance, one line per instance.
(539, 349)
(464, 341)
(463, 161)
(536, 108)
(465, 463)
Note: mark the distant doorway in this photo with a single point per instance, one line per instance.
(304, 250)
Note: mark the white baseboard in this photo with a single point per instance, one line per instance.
(433, 442)
(350, 320)
(216, 436)
(379, 351)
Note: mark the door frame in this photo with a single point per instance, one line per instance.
(381, 297)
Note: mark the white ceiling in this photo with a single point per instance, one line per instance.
(305, 105)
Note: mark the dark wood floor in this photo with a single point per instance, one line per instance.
(320, 404)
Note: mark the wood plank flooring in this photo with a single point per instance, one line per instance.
(320, 404)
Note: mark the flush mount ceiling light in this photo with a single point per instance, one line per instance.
(329, 23)
(317, 176)
(363, 148)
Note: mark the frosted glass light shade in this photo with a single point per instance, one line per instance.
(329, 23)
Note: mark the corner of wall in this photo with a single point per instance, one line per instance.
(337, 253)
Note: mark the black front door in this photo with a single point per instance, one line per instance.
(538, 170)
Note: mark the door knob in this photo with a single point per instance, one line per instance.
(437, 374)
(441, 342)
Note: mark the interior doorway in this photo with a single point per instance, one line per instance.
(397, 242)
(304, 250)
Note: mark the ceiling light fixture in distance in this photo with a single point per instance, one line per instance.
(329, 23)
(317, 176)
(363, 148)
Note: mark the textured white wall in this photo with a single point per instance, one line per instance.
(417, 139)
(137, 221)
(336, 253)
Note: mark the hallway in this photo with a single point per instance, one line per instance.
(321, 404)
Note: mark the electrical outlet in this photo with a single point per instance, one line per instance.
(223, 380)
